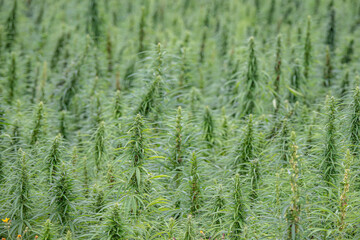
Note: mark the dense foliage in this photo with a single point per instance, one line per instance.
(182, 119)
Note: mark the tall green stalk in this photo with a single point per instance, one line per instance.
(355, 123)
(293, 212)
(285, 142)
(148, 101)
(251, 79)
(271, 11)
(98, 200)
(330, 155)
(12, 79)
(62, 124)
(109, 52)
(328, 70)
(330, 35)
(345, 83)
(239, 214)
(177, 156)
(28, 74)
(219, 207)
(38, 124)
(118, 108)
(254, 179)
(136, 151)
(94, 20)
(224, 40)
(99, 148)
(11, 27)
(278, 64)
(62, 197)
(195, 190)
(208, 126)
(184, 77)
(203, 46)
(73, 85)
(53, 159)
(349, 52)
(246, 150)
(60, 45)
(22, 203)
(295, 83)
(307, 49)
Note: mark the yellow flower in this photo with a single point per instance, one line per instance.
(19, 236)
(201, 232)
(5, 220)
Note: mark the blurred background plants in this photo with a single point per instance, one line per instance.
(156, 119)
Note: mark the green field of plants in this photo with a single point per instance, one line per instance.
(179, 119)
